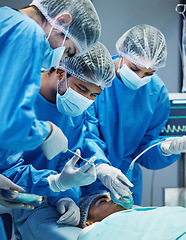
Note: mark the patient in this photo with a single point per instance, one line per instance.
(107, 220)
(96, 207)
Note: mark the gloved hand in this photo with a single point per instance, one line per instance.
(113, 179)
(70, 213)
(176, 145)
(55, 143)
(6, 183)
(73, 177)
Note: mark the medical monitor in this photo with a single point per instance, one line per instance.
(176, 125)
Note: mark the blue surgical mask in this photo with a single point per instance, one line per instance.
(52, 57)
(72, 103)
(131, 79)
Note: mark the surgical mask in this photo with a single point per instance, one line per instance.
(72, 103)
(131, 79)
(52, 57)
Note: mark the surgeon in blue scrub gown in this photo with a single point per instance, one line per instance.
(79, 80)
(130, 115)
(25, 50)
(31, 38)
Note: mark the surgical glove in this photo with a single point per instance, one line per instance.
(113, 179)
(55, 143)
(176, 145)
(70, 213)
(73, 177)
(6, 183)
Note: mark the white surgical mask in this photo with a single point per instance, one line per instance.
(131, 79)
(72, 103)
(52, 57)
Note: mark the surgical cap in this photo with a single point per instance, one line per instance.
(84, 205)
(85, 28)
(95, 66)
(143, 45)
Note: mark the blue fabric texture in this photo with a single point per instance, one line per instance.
(23, 45)
(2, 230)
(41, 224)
(129, 121)
(31, 170)
(163, 223)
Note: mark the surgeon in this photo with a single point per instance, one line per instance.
(130, 115)
(66, 92)
(36, 37)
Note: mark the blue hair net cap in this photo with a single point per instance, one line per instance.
(143, 45)
(84, 205)
(95, 66)
(85, 28)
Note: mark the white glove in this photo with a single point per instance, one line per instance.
(73, 177)
(113, 179)
(176, 145)
(55, 143)
(6, 183)
(70, 213)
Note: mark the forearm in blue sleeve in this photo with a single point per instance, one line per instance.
(154, 159)
(93, 145)
(26, 176)
(20, 130)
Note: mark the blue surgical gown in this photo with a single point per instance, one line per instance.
(31, 170)
(2, 230)
(129, 121)
(22, 48)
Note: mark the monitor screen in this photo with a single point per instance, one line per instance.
(176, 125)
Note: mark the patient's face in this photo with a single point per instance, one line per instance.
(101, 207)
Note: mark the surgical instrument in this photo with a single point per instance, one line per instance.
(77, 155)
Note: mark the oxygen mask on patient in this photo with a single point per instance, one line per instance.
(125, 201)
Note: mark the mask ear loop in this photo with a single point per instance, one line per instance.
(49, 33)
(119, 64)
(121, 61)
(66, 81)
(57, 85)
(64, 41)
(65, 37)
